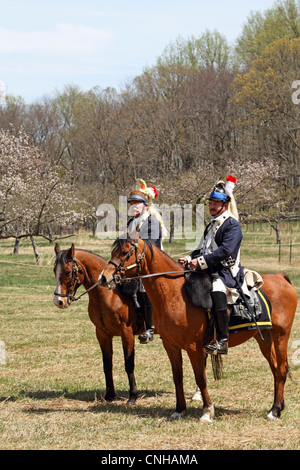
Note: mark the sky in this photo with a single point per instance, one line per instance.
(48, 44)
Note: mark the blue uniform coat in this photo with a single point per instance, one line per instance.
(228, 239)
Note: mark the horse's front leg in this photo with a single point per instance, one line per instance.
(175, 357)
(128, 349)
(105, 342)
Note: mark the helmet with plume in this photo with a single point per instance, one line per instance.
(223, 192)
(146, 194)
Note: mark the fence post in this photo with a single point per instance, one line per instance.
(291, 246)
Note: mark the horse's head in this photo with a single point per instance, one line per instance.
(69, 276)
(126, 261)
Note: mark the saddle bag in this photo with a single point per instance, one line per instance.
(240, 309)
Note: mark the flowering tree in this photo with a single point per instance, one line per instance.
(34, 195)
(263, 194)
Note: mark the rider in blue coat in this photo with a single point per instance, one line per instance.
(219, 253)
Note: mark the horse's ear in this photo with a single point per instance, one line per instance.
(57, 249)
(71, 252)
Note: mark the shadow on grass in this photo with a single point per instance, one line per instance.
(92, 401)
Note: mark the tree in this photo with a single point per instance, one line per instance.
(261, 29)
(267, 120)
(209, 51)
(33, 194)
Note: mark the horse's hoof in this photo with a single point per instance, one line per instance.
(208, 414)
(177, 416)
(109, 398)
(197, 396)
(272, 417)
(131, 401)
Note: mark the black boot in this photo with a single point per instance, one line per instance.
(220, 344)
(147, 335)
(222, 331)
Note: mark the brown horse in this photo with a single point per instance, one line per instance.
(182, 326)
(112, 313)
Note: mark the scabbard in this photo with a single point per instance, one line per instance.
(247, 305)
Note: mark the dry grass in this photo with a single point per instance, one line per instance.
(52, 385)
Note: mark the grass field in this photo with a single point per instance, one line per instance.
(52, 383)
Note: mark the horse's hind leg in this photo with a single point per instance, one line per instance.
(274, 349)
(107, 354)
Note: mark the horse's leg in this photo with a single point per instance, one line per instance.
(128, 349)
(105, 342)
(274, 349)
(198, 361)
(197, 395)
(175, 357)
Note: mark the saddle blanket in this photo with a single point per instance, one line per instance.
(263, 315)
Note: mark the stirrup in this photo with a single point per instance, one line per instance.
(217, 347)
(146, 336)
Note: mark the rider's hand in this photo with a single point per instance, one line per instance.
(194, 264)
(183, 261)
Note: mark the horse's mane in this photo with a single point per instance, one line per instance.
(62, 257)
(120, 242)
(171, 259)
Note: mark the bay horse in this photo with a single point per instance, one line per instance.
(112, 313)
(182, 326)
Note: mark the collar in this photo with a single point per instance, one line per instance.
(220, 219)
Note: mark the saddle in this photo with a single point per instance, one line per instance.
(198, 285)
(260, 313)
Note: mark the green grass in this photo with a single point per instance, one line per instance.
(52, 385)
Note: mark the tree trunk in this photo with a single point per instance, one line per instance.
(17, 246)
(35, 250)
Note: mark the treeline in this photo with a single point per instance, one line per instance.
(204, 109)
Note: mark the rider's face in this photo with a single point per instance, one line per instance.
(136, 208)
(217, 208)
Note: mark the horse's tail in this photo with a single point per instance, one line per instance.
(217, 366)
(286, 277)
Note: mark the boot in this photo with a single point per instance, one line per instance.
(147, 335)
(220, 345)
(223, 331)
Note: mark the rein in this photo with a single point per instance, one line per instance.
(117, 278)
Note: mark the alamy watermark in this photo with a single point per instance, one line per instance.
(296, 94)
(296, 354)
(2, 353)
(184, 222)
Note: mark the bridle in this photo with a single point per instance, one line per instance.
(74, 283)
(118, 275)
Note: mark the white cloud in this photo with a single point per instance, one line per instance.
(66, 38)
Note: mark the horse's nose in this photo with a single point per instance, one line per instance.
(59, 302)
(103, 280)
